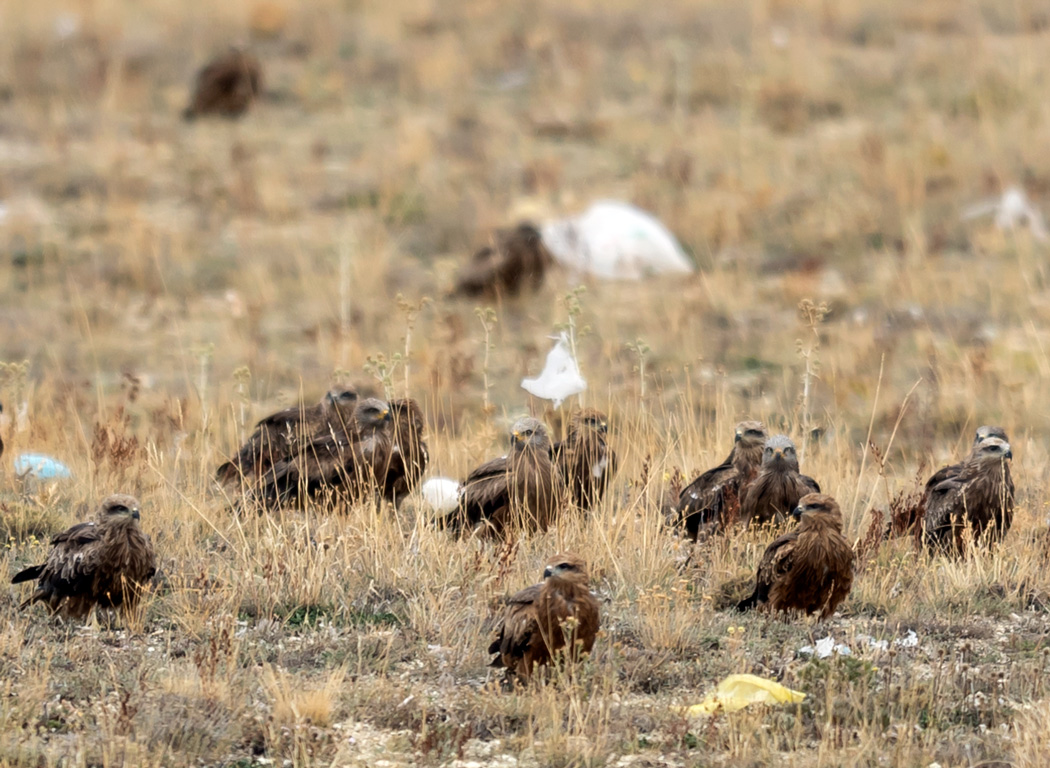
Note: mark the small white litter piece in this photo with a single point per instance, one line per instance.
(825, 648)
(910, 640)
(560, 377)
(40, 467)
(615, 241)
(1012, 211)
(875, 645)
(441, 494)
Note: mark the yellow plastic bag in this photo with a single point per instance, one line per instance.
(739, 691)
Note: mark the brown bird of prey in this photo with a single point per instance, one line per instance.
(809, 569)
(409, 454)
(776, 490)
(713, 499)
(226, 86)
(541, 620)
(517, 260)
(279, 436)
(584, 459)
(979, 495)
(104, 562)
(341, 465)
(520, 491)
(950, 471)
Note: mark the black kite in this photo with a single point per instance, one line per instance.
(280, 435)
(712, 501)
(409, 455)
(516, 260)
(809, 569)
(340, 465)
(775, 492)
(541, 620)
(979, 495)
(522, 490)
(585, 460)
(104, 562)
(226, 86)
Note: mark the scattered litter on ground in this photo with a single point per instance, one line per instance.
(560, 377)
(616, 241)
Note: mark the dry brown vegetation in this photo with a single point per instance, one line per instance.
(164, 284)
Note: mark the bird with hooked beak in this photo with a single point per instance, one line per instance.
(978, 497)
(712, 501)
(105, 562)
(521, 491)
(338, 467)
(779, 484)
(280, 435)
(545, 619)
(809, 569)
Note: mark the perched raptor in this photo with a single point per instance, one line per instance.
(350, 465)
(280, 435)
(979, 495)
(516, 260)
(520, 491)
(712, 500)
(105, 562)
(226, 86)
(809, 569)
(951, 471)
(584, 459)
(779, 485)
(541, 620)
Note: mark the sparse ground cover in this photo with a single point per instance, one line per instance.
(164, 284)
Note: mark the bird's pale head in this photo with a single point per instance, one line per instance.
(119, 506)
(590, 420)
(751, 433)
(993, 449)
(779, 452)
(372, 414)
(566, 567)
(987, 431)
(818, 509)
(529, 433)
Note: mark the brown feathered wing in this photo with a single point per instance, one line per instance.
(409, 454)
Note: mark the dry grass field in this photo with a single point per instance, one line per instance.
(164, 284)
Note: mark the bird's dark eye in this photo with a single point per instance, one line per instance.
(567, 567)
(118, 508)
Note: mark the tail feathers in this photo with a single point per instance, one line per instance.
(29, 574)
